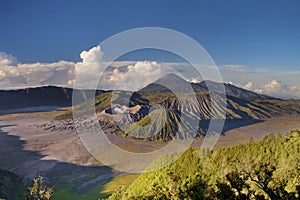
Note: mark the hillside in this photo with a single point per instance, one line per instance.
(242, 109)
(30, 97)
(137, 107)
(180, 85)
(38, 96)
(256, 170)
(11, 186)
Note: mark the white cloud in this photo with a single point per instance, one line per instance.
(248, 86)
(133, 75)
(7, 60)
(277, 89)
(282, 84)
(194, 80)
(89, 69)
(17, 75)
(273, 86)
(2, 74)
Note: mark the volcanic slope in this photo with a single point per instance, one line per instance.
(183, 103)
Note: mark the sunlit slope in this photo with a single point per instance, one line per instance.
(181, 111)
(204, 107)
(182, 104)
(280, 152)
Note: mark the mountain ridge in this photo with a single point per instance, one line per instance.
(202, 86)
(62, 96)
(204, 106)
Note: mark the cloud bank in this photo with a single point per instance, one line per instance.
(281, 84)
(133, 75)
(274, 88)
(19, 75)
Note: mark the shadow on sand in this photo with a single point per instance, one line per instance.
(229, 124)
(30, 164)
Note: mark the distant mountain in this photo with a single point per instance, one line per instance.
(178, 84)
(168, 83)
(34, 97)
(135, 107)
(231, 90)
(40, 96)
(236, 109)
(163, 84)
(62, 97)
(241, 104)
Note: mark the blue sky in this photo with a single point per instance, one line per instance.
(253, 33)
(256, 34)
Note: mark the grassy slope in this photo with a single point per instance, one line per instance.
(281, 151)
(11, 186)
(101, 190)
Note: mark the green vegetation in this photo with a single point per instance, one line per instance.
(39, 191)
(63, 192)
(102, 102)
(267, 169)
(117, 183)
(184, 111)
(108, 186)
(11, 186)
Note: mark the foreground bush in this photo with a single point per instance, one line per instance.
(267, 169)
(39, 191)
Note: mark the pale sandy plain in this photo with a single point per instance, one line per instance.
(28, 147)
